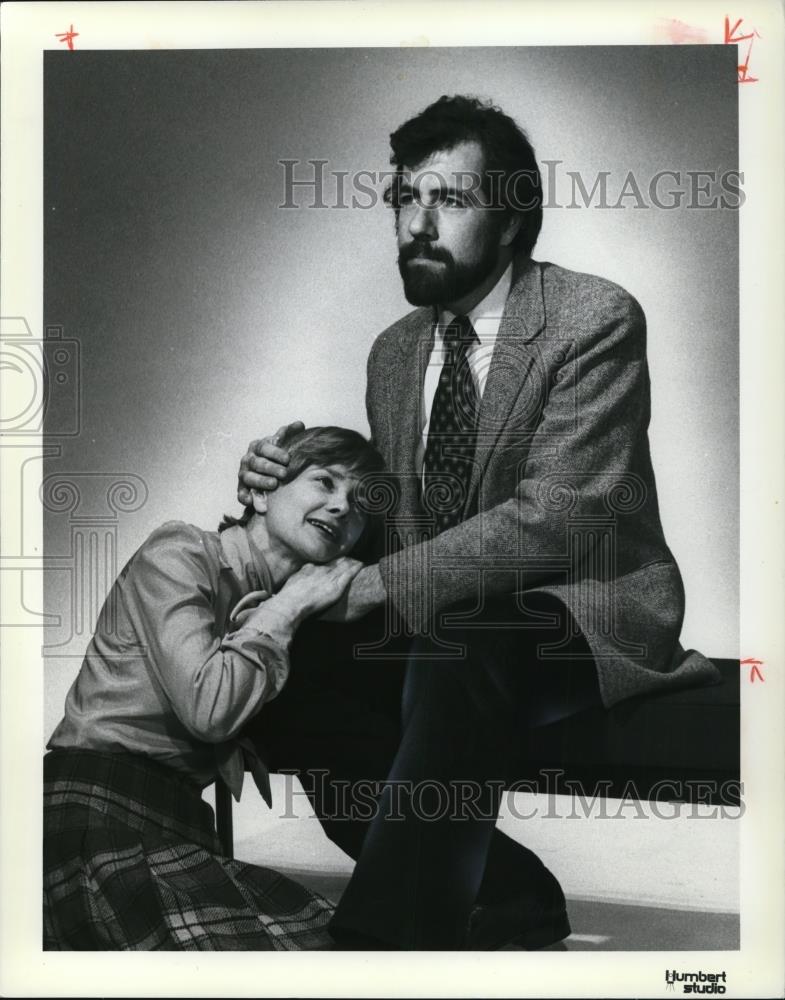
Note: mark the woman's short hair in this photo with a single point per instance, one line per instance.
(321, 446)
(511, 178)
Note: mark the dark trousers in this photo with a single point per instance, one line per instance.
(439, 738)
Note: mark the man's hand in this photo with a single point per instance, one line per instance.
(264, 464)
(364, 593)
(313, 588)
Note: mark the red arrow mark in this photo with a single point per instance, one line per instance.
(753, 664)
(732, 38)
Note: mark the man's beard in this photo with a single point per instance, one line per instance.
(429, 286)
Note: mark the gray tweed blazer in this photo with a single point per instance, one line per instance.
(562, 495)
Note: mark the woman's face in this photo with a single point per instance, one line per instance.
(314, 516)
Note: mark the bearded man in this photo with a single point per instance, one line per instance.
(523, 574)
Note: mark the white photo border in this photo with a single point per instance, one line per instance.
(29, 29)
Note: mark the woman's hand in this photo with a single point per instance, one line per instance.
(246, 606)
(264, 464)
(307, 592)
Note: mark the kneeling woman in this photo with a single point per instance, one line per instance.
(180, 660)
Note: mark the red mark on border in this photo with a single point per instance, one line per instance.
(754, 665)
(681, 33)
(731, 38)
(68, 37)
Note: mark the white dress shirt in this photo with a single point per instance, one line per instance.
(486, 318)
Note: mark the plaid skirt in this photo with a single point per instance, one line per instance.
(132, 862)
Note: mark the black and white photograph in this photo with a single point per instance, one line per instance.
(390, 530)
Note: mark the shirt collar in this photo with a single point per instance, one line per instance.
(245, 558)
(486, 315)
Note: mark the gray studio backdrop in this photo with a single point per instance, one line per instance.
(205, 314)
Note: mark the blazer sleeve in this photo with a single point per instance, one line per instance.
(594, 423)
(215, 683)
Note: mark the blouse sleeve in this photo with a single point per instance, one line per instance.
(215, 683)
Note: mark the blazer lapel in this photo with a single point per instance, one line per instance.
(416, 344)
(511, 362)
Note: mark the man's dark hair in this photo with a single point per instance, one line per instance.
(511, 177)
(321, 446)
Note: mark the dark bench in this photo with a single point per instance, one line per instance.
(681, 746)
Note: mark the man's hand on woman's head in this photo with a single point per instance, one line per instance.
(264, 464)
